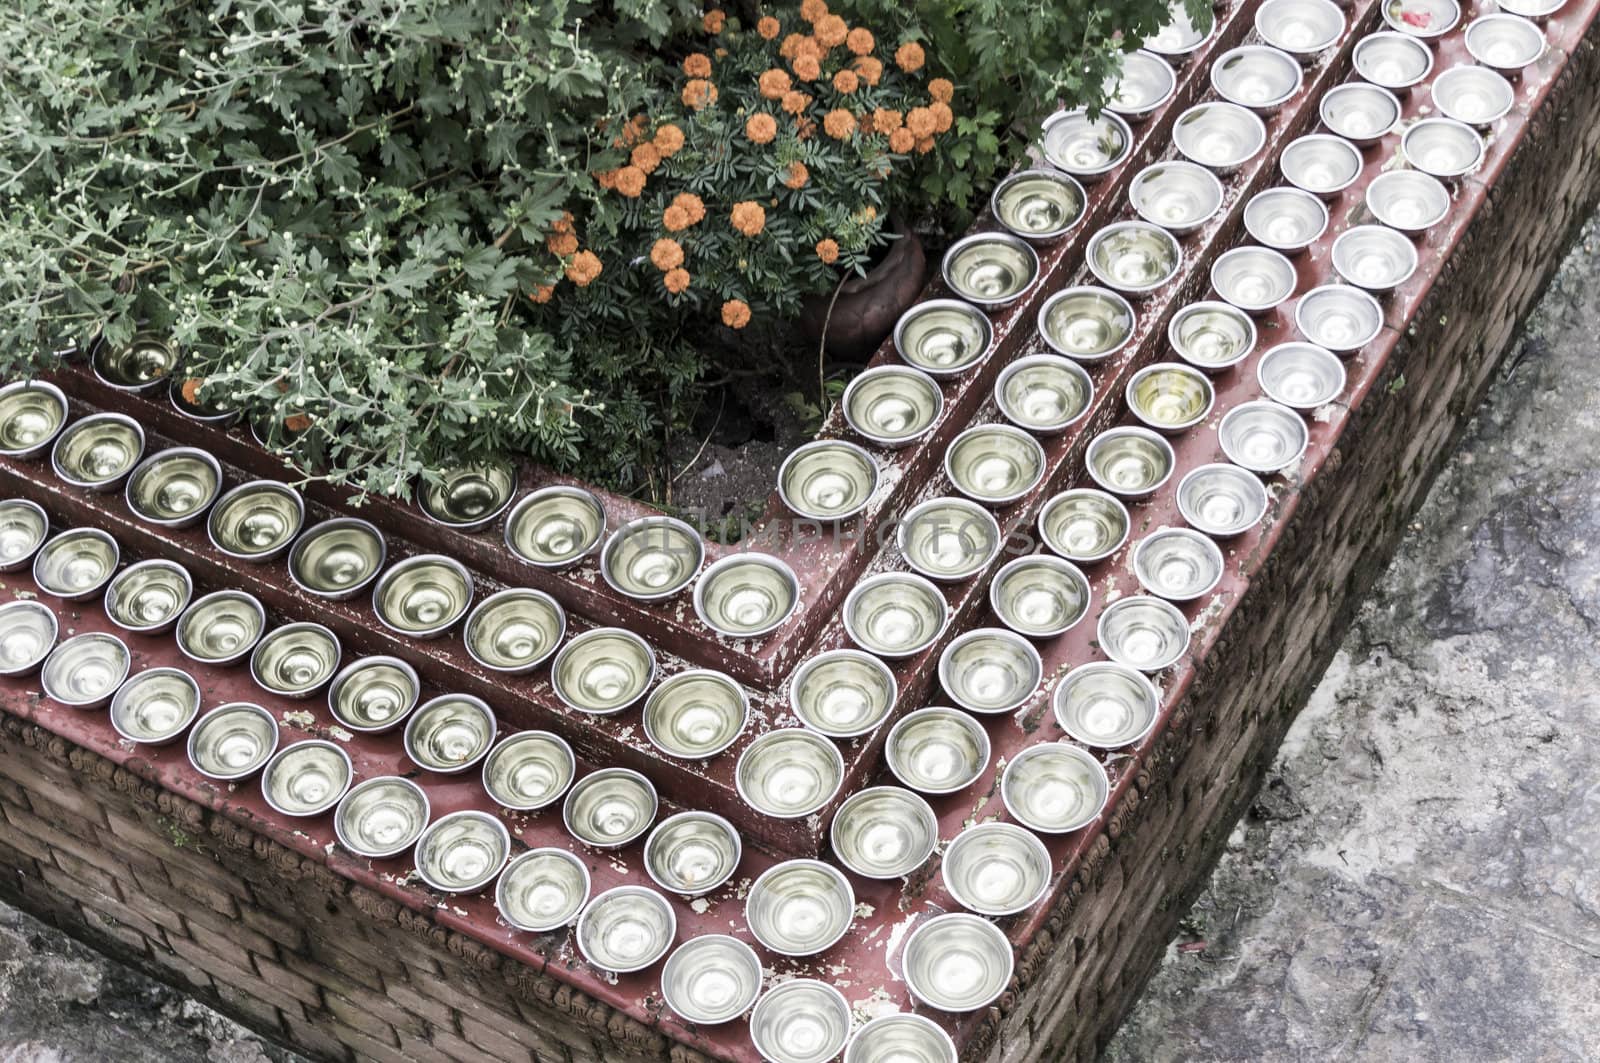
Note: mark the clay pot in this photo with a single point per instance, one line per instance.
(867, 307)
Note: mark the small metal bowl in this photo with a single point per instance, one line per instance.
(462, 852)
(97, 451)
(842, 693)
(221, 628)
(1426, 20)
(1177, 564)
(1180, 36)
(1130, 462)
(1393, 60)
(295, 660)
(884, 832)
(1537, 10)
(1286, 220)
(895, 614)
(1407, 200)
(1473, 95)
(711, 979)
(529, 770)
(1084, 525)
(692, 853)
(695, 714)
(609, 808)
(1211, 336)
(1442, 147)
(746, 595)
(1302, 28)
(1038, 204)
(28, 633)
(1106, 705)
(468, 497)
(202, 411)
(997, 868)
(1360, 112)
(994, 464)
(374, 694)
(892, 405)
(948, 539)
(450, 733)
(175, 487)
(957, 962)
(1145, 82)
(1170, 397)
(1302, 376)
(1340, 317)
(990, 270)
(307, 778)
(542, 890)
(1043, 393)
(1178, 196)
(423, 596)
(1374, 257)
(554, 527)
(827, 480)
(1087, 148)
(140, 366)
(800, 1021)
(1256, 76)
(1040, 595)
(85, 671)
(937, 750)
(1220, 136)
(1133, 257)
(337, 559)
(943, 337)
(789, 773)
(32, 415)
(990, 670)
(626, 928)
(1321, 164)
(381, 817)
(1143, 632)
(652, 558)
(603, 670)
(903, 1038)
(1086, 323)
(23, 527)
(148, 597)
(515, 630)
(1055, 788)
(1221, 500)
(1262, 436)
(800, 907)
(76, 564)
(233, 741)
(1254, 279)
(256, 521)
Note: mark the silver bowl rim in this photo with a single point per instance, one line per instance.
(983, 926)
(86, 637)
(528, 735)
(1141, 432)
(1059, 697)
(399, 568)
(372, 783)
(1211, 306)
(1286, 190)
(924, 812)
(644, 523)
(18, 564)
(693, 815)
(993, 236)
(1050, 560)
(476, 523)
(271, 487)
(679, 678)
(866, 1029)
(1027, 441)
(1258, 491)
(408, 741)
(1060, 498)
(854, 450)
(1105, 232)
(902, 370)
(80, 532)
(1054, 361)
(1272, 52)
(1305, 345)
(494, 822)
(785, 866)
(1004, 634)
(540, 494)
(1175, 531)
(103, 417)
(30, 605)
(1043, 749)
(527, 856)
(149, 460)
(1360, 293)
(1301, 53)
(1095, 291)
(1145, 600)
(910, 516)
(878, 579)
(282, 631)
(506, 594)
(1145, 372)
(808, 735)
(1430, 35)
(336, 683)
(629, 890)
(244, 651)
(1025, 836)
(828, 989)
(33, 450)
(1140, 114)
(1447, 123)
(592, 635)
(283, 751)
(1118, 121)
(842, 653)
(596, 777)
(1182, 54)
(1050, 173)
(233, 707)
(147, 564)
(1185, 166)
(966, 720)
(333, 524)
(927, 306)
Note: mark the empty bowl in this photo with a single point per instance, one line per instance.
(423, 596)
(293, 661)
(603, 670)
(1038, 204)
(1374, 257)
(711, 979)
(801, 1020)
(1181, 35)
(1083, 524)
(1409, 201)
(542, 890)
(147, 597)
(1538, 10)
(1427, 20)
(1054, 788)
(1220, 136)
(1393, 60)
(1340, 317)
(892, 405)
(1442, 147)
(695, 714)
(97, 451)
(1106, 705)
(528, 770)
(1043, 393)
(1287, 220)
(554, 527)
(1473, 94)
(842, 693)
(23, 527)
(626, 928)
(470, 496)
(800, 907)
(175, 487)
(1145, 82)
(1221, 500)
(746, 595)
(1133, 257)
(85, 671)
(652, 558)
(515, 630)
(221, 628)
(1178, 196)
(27, 635)
(937, 750)
(139, 366)
(256, 521)
(1360, 112)
(462, 852)
(1039, 595)
(1256, 76)
(450, 733)
(996, 869)
(990, 270)
(1087, 148)
(1177, 564)
(692, 853)
(894, 614)
(1302, 28)
(32, 414)
(1211, 336)
(233, 741)
(990, 670)
(1254, 279)
(307, 778)
(901, 1038)
(884, 832)
(948, 539)
(789, 773)
(957, 962)
(1321, 164)
(76, 564)
(1262, 436)
(1169, 396)
(610, 808)
(943, 337)
(827, 480)
(994, 464)
(373, 694)
(1143, 632)
(1086, 323)
(338, 558)
(381, 817)
(1129, 462)
(1302, 376)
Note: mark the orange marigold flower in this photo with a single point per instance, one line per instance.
(736, 313)
(542, 294)
(886, 121)
(797, 176)
(909, 57)
(606, 179)
(666, 254)
(697, 65)
(676, 280)
(812, 10)
(942, 90)
(299, 422)
(584, 267)
(630, 181)
(809, 46)
(563, 224)
(768, 28)
(646, 157)
(846, 81)
(924, 145)
(828, 251)
(561, 244)
(675, 219)
(921, 122)
(773, 83)
(831, 31)
(714, 20)
(839, 124)
(748, 217)
(943, 116)
(692, 206)
(859, 40)
(901, 141)
(761, 128)
(791, 45)
(795, 102)
(870, 69)
(806, 68)
(698, 93)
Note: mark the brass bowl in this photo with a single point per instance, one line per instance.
(1084, 525)
(1055, 788)
(515, 630)
(1256, 76)
(77, 564)
(609, 808)
(789, 773)
(221, 628)
(1145, 82)
(937, 750)
(85, 671)
(174, 487)
(652, 558)
(381, 817)
(1286, 220)
(529, 770)
(307, 778)
(23, 528)
(204, 412)
(948, 540)
(990, 670)
(141, 366)
(884, 832)
(1181, 36)
(233, 741)
(746, 595)
(554, 527)
(374, 694)
(256, 521)
(603, 671)
(892, 405)
(695, 714)
(895, 614)
(1043, 393)
(1130, 462)
(97, 451)
(1040, 595)
(155, 706)
(148, 597)
(423, 596)
(1212, 336)
(295, 660)
(462, 852)
(1087, 148)
(994, 464)
(542, 890)
(1038, 204)
(469, 497)
(991, 270)
(32, 415)
(1086, 323)
(692, 853)
(450, 734)
(1177, 195)
(338, 558)
(827, 480)
(1133, 257)
(1170, 397)
(1321, 164)
(28, 633)
(943, 337)
(842, 693)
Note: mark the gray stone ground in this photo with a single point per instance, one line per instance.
(1418, 880)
